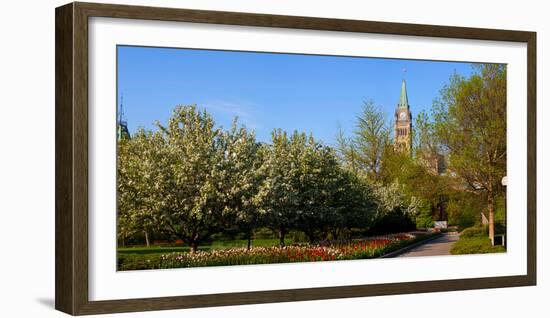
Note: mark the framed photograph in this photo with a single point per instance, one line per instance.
(210, 158)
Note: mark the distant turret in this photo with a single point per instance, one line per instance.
(122, 125)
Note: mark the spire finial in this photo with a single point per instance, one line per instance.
(121, 111)
(403, 99)
(122, 125)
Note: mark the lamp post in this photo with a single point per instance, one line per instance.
(504, 183)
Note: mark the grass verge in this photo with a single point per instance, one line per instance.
(475, 240)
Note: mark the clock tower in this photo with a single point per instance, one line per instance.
(403, 123)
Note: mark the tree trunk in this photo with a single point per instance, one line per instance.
(311, 237)
(491, 208)
(194, 241)
(249, 243)
(194, 246)
(282, 237)
(334, 233)
(505, 218)
(146, 238)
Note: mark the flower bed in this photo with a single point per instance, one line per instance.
(326, 251)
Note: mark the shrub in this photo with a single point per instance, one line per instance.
(298, 237)
(424, 218)
(475, 231)
(475, 245)
(395, 221)
(466, 219)
(137, 261)
(475, 240)
(464, 210)
(500, 210)
(264, 233)
(500, 228)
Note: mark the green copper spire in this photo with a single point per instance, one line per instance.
(403, 100)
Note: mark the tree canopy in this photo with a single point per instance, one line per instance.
(470, 123)
(191, 179)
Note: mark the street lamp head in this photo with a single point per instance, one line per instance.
(504, 181)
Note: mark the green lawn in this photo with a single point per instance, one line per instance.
(141, 257)
(475, 240)
(207, 247)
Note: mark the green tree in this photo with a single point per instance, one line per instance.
(395, 165)
(463, 209)
(425, 142)
(347, 152)
(371, 136)
(428, 186)
(470, 122)
(355, 203)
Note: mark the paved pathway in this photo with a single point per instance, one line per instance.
(439, 246)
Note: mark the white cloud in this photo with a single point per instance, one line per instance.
(244, 111)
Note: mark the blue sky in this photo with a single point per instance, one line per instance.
(314, 94)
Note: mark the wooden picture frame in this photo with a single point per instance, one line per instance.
(71, 157)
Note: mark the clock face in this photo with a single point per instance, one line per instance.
(402, 116)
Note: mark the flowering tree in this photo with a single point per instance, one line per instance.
(239, 180)
(305, 188)
(278, 195)
(137, 196)
(188, 200)
(317, 170)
